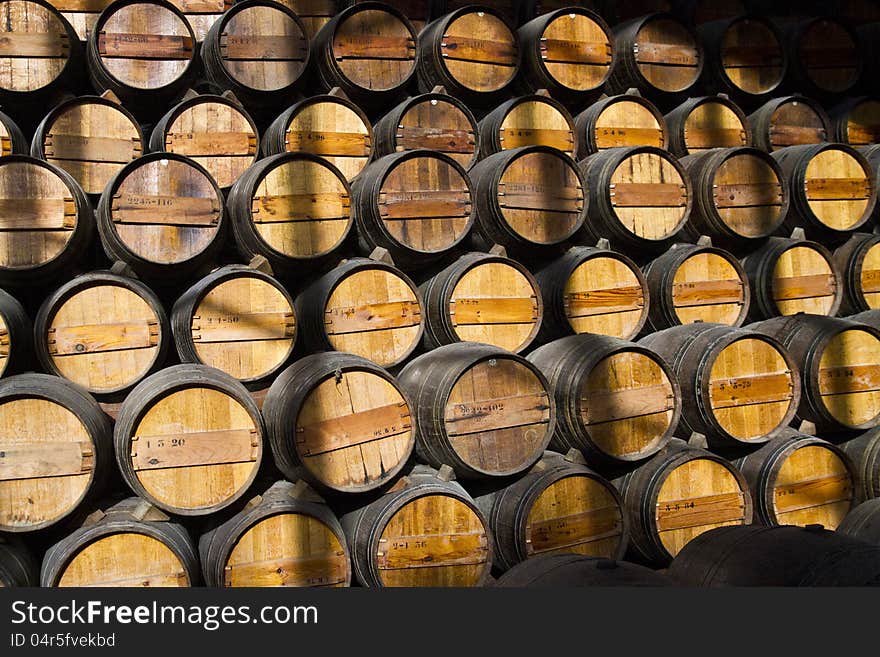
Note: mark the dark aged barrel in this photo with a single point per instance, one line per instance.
(292, 208)
(238, 320)
(858, 261)
(619, 121)
(12, 139)
(56, 449)
(287, 536)
(103, 332)
(639, 197)
(839, 362)
(865, 454)
(474, 52)
(790, 276)
(592, 290)
(314, 14)
(789, 121)
(863, 522)
(528, 198)
(559, 506)
(163, 215)
(569, 52)
(826, 59)
(364, 307)
(740, 195)
(46, 222)
(368, 51)
(215, 131)
(856, 121)
(577, 571)
(328, 125)
(701, 124)
(739, 386)
(417, 204)
(481, 410)
(776, 556)
(339, 421)
(617, 402)
(16, 336)
(434, 120)
(482, 298)
(691, 284)
(799, 480)
(535, 120)
(81, 14)
(17, 565)
(678, 495)
(425, 531)
(132, 544)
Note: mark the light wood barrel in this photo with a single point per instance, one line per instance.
(314, 14)
(132, 545)
(578, 571)
(81, 14)
(620, 121)
(481, 410)
(202, 14)
(417, 11)
(363, 307)
(330, 126)
(863, 522)
(856, 121)
(163, 215)
(739, 386)
(238, 320)
(291, 208)
(790, 276)
(592, 290)
(535, 120)
(339, 421)
(189, 439)
(789, 121)
(559, 507)
(214, 131)
(17, 565)
(436, 121)
(825, 57)
(858, 261)
(12, 139)
(16, 336)
(865, 454)
(287, 536)
(483, 298)
(839, 362)
(707, 122)
(617, 402)
(57, 451)
(678, 495)
(425, 531)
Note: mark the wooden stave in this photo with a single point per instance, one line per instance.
(585, 122)
(798, 77)
(490, 125)
(676, 121)
(21, 335)
(863, 522)
(850, 258)
(864, 451)
(571, 570)
(761, 119)
(18, 568)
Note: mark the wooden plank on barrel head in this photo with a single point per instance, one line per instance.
(747, 195)
(203, 6)
(714, 137)
(493, 310)
(346, 431)
(31, 460)
(837, 189)
(517, 137)
(372, 317)
(290, 208)
(753, 55)
(144, 46)
(212, 143)
(374, 47)
(575, 52)
(708, 293)
(734, 392)
(424, 204)
(870, 281)
(846, 379)
(666, 54)
(575, 529)
(324, 142)
(618, 137)
(804, 287)
(48, 45)
(94, 338)
(698, 511)
(625, 403)
(313, 570)
(807, 493)
(432, 550)
(243, 327)
(163, 210)
(792, 135)
(537, 196)
(604, 302)
(494, 414)
(445, 140)
(262, 47)
(161, 580)
(91, 148)
(32, 214)
(648, 195)
(196, 448)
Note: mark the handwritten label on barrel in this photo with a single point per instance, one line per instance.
(758, 388)
(810, 286)
(648, 195)
(575, 529)
(666, 54)
(165, 210)
(328, 144)
(371, 46)
(372, 317)
(243, 327)
(747, 195)
(305, 206)
(493, 310)
(312, 570)
(540, 197)
(838, 189)
(516, 137)
(700, 511)
(424, 204)
(694, 294)
(445, 140)
(483, 51)
(561, 51)
(144, 46)
(432, 550)
(194, 448)
(32, 460)
(346, 431)
(604, 302)
(619, 137)
(848, 379)
(810, 493)
(484, 415)
(212, 144)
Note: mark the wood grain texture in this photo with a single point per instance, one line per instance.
(480, 52)
(713, 125)
(34, 46)
(536, 122)
(849, 377)
(707, 287)
(439, 125)
(374, 49)
(752, 57)
(604, 295)
(812, 486)
(576, 51)
(748, 194)
(667, 55)
(125, 560)
(649, 195)
(838, 189)
(629, 123)
(804, 281)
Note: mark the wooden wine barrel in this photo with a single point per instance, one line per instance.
(17, 564)
(482, 298)
(863, 522)
(740, 386)
(740, 195)
(425, 531)
(617, 402)
(699, 283)
(481, 410)
(864, 452)
(202, 14)
(238, 320)
(287, 536)
(16, 336)
(535, 120)
(528, 198)
(56, 451)
(790, 276)
(339, 421)
(314, 14)
(474, 52)
(81, 14)
(699, 12)
(839, 361)
(363, 307)
(417, 204)
(639, 197)
(569, 52)
(189, 439)
(619, 121)
(858, 261)
(592, 290)
(559, 506)
(291, 208)
(678, 495)
(330, 126)
(12, 139)
(856, 121)
(833, 188)
(577, 571)
(46, 221)
(436, 121)
(132, 544)
(705, 123)
(142, 51)
(417, 11)
(789, 121)
(799, 480)
(825, 57)
(215, 131)
(163, 215)
(369, 52)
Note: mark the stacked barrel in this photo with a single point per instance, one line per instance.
(320, 293)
